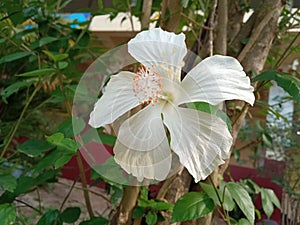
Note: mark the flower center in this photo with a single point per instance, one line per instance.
(147, 85)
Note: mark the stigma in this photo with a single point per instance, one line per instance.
(147, 85)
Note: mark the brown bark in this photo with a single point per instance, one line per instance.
(123, 216)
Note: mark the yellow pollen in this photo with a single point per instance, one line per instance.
(147, 85)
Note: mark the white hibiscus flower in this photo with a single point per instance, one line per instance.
(201, 140)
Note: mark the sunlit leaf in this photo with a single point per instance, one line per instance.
(242, 199)
(191, 206)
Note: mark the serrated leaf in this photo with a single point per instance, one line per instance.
(15, 87)
(8, 182)
(269, 198)
(242, 199)
(34, 147)
(7, 214)
(191, 206)
(35, 73)
(151, 218)
(70, 214)
(95, 221)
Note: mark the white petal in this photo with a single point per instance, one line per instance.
(160, 48)
(201, 141)
(154, 164)
(117, 99)
(216, 79)
(144, 131)
(142, 147)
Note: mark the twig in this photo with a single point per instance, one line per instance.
(211, 25)
(195, 22)
(28, 205)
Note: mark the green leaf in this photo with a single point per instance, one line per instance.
(254, 188)
(243, 221)
(228, 202)
(15, 87)
(71, 125)
(269, 198)
(47, 40)
(7, 214)
(265, 76)
(138, 212)
(35, 73)
(95, 221)
(155, 204)
(59, 140)
(107, 139)
(151, 218)
(63, 160)
(34, 147)
(56, 57)
(49, 218)
(48, 160)
(8, 182)
(14, 56)
(288, 82)
(191, 206)
(62, 65)
(70, 214)
(242, 199)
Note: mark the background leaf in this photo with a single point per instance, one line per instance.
(8, 182)
(34, 148)
(70, 214)
(7, 214)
